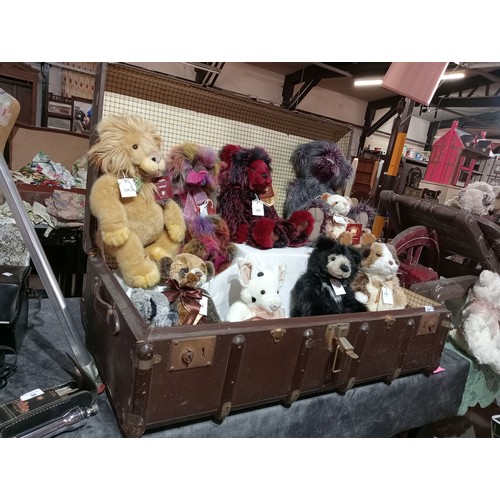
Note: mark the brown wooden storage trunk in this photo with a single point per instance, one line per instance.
(159, 376)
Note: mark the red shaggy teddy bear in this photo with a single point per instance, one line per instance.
(245, 202)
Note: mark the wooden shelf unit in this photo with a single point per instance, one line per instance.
(365, 178)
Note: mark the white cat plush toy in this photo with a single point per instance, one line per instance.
(377, 284)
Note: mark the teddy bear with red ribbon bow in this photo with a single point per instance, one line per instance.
(183, 277)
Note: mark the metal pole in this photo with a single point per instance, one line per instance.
(393, 159)
(45, 271)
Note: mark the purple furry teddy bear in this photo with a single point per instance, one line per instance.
(320, 167)
(194, 170)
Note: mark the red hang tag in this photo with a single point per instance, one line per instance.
(163, 188)
(267, 197)
(355, 230)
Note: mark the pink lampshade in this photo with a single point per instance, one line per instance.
(416, 80)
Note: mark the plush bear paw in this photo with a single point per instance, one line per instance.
(241, 233)
(318, 217)
(144, 276)
(264, 233)
(345, 238)
(157, 252)
(361, 297)
(177, 233)
(367, 238)
(115, 238)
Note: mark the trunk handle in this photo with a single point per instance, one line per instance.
(111, 314)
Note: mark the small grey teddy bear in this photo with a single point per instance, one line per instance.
(154, 307)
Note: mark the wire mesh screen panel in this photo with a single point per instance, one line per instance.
(186, 112)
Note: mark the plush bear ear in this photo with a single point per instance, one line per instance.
(210, 269)
(356, 256)
(365, 250)
(245, 267)
(486, 277)
(324, 243)
(165, 267)
(227, 152)
(394, 252)
(325, 197)
(281, 273)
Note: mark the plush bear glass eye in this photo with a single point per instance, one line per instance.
(134, 146)
(378, 254)
(332, 258)
(259, 274)
(262, 292)
(254, 299)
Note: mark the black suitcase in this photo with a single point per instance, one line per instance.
(13, 305)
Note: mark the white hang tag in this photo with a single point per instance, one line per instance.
(387, 296)
(203, 306)
(257, 208)
(204, 208)
(128, 189)
(338, 289)
(30, 395)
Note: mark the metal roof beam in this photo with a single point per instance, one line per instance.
(466, 102)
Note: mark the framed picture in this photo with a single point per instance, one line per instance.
(81, 115)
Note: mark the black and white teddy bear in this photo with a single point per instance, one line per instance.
(325, 286)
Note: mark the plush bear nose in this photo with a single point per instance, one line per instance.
(344, 268)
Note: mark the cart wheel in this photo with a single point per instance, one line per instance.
(410, 243)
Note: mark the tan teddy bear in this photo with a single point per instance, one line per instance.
(184, 276)
(137, 225)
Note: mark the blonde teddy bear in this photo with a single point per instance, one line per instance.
(138, 224)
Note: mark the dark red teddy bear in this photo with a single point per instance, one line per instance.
(245, 202)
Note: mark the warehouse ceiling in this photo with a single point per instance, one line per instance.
(474, 100)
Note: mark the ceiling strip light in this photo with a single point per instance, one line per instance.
(366, 83)
(377, 81)
(453, 76)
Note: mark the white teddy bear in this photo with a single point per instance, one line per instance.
(259, 298)
(336, 223)
(342, 228)
(479, 330)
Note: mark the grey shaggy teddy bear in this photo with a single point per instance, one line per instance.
(325, 286)
(320, 167)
